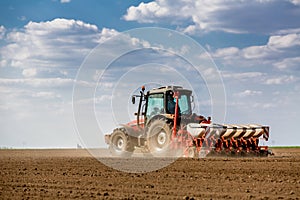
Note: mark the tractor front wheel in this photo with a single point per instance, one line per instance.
(119, 144)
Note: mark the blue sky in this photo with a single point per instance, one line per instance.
(255, 45)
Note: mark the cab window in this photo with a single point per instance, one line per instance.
(155, 105)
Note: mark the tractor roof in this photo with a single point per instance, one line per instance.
(164, 89)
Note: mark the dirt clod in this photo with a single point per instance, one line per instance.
(105, 194)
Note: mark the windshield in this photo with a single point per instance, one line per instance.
(155, 105)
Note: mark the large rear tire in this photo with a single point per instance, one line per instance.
(159, 137)
(120, 144)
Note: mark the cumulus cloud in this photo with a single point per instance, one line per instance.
(106, 34)
(146, 12)
(60, 43)
(226, 52)
(48, 54)
(56, 47)
(255, 52)
(230, 16)
(286, 41)
(281, 52)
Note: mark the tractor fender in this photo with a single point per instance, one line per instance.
(167, 117)
(129, 129)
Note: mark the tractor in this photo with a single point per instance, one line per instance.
(166, 125)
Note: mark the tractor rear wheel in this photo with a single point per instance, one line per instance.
(159, 137)
(119, 144)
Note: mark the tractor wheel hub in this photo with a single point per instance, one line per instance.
(120, 143)
(161, 138)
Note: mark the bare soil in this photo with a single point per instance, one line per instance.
(70, 174)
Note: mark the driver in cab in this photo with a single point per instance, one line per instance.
(171, 104)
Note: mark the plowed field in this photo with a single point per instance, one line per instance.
(70, 174)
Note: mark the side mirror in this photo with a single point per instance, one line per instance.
(133, 99)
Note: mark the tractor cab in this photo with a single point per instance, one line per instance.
(161, 101)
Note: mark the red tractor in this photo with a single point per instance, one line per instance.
(166, 125)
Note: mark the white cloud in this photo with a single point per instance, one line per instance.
(151, 9)
(208, 15)
(107, 33)
(227, 52)
(29, 72)
(60, 43)
(288, 63)
(163, 10)
(280, 80)
(65, 1)
(2, 32)
(242, 75)
(46, 95)
(295, 2)
(287, 31)
(264, 105)
(255, 52)
(3, 63)
(277, 44)
(285, 41)
(37, 82)
(53, 48)
(247, 93)
(59, 24)
(276, 63)
(280, 52)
